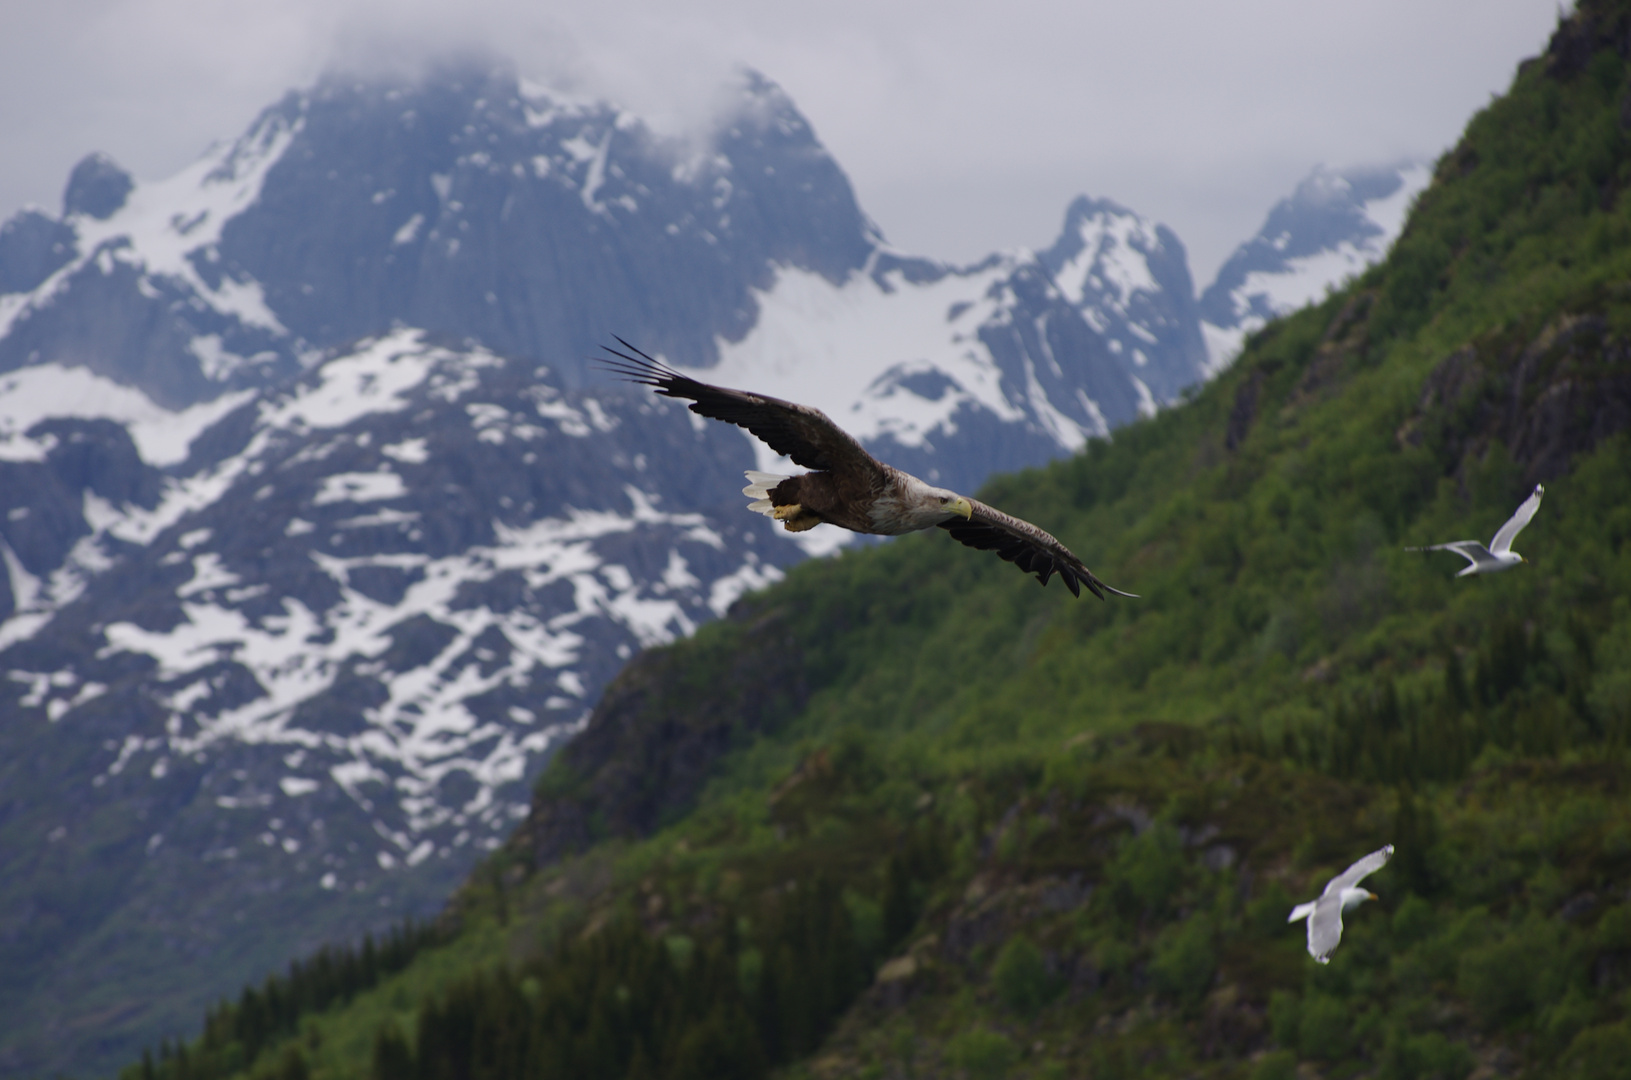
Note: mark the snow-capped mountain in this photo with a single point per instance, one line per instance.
(1337, 223)
(319, 531)
(949, 373)
(474, 203)
(302, 685)
(411, 485)
(1129, 277)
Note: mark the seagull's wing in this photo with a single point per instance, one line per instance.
(804, 434)
(1514, 524)
(1357, 873)
(1325, 928)
(1471, 550)
(1026, 546)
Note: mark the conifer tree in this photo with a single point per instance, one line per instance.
(392, 1059)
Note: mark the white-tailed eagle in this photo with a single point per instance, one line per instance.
(849, 487)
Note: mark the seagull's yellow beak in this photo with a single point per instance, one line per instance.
(1373, 896)
(961, 506)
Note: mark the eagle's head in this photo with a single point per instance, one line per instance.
(914, 505)
(953, 503)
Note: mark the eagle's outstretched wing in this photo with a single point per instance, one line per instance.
(1027, 547)
(798, 431)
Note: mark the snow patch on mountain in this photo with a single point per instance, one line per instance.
(51, 391)
(376, 378)
(424, 728)
(1110, 261)
(418, 683)
(879, 354)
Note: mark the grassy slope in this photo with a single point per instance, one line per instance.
(1132, 793)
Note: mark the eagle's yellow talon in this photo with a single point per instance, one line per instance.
(795, 518)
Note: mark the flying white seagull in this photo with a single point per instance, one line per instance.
(1341, 893)
(1499, 555)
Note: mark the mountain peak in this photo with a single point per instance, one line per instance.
(97, 187)
(1335, 224)
(453, 200)
(1129, 277)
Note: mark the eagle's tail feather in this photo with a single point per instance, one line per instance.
(760, 485)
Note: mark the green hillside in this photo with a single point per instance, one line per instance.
(908, 815)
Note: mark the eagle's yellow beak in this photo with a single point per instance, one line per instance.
(961, 506)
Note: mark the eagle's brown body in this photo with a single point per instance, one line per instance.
(824, 498)
(850, 488)
(887, 503)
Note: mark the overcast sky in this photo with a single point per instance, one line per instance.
(965, 126)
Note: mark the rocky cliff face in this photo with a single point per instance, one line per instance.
(472, 203)
(481, 205)
(659, 730)
(1545, 399)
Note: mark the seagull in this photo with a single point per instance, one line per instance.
(1341, 893)
(1499, 555)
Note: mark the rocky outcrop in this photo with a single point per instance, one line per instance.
(97, 187)
(1593, 29)
(32, 247)
(1548, 399)
(42, 502)
(1244, 412)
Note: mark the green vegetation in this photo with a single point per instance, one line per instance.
(1014, 835)
(237, 1033)
(622, 1002)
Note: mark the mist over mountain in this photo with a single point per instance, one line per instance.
(321, 533)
